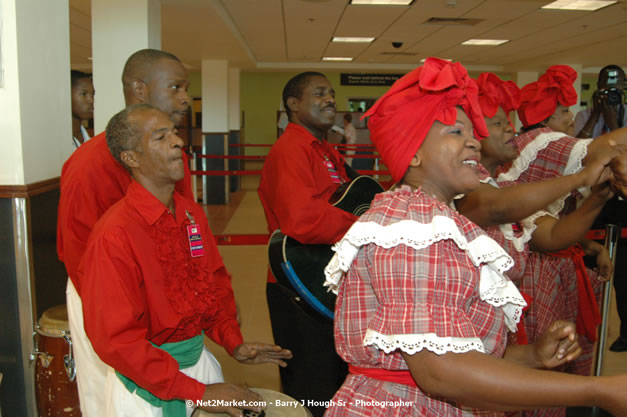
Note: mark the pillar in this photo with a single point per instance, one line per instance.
(215, 128)
(36, 132)
(119, 28)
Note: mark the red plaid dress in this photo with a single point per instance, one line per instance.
(513, 237)
(420, 275)
(546, 154)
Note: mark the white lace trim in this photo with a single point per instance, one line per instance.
(530, 153)
(528, 224)
(412, 343)
(498, 291)
(494, 287)
(575, 162)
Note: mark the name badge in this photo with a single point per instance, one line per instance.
(195, 240)
(335, 178)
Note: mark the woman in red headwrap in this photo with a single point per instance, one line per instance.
(550, 282)
(547, 150)
(423, 305)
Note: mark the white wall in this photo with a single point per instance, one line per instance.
(35, 125)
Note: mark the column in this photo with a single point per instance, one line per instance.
(119, 28)
(235, 135)
(36, 132)
(215, 128)
(577, 85)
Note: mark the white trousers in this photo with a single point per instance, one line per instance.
(121, 403)
(91, 372)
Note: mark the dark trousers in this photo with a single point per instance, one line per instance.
(316, 371)
(620, 285)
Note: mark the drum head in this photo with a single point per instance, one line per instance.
(54, 322)
(277, 405)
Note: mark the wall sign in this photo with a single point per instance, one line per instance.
(368, 79)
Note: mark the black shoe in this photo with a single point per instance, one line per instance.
(620, 345)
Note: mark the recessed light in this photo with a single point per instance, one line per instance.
(336, 58)
(587, 5)
(383, 2)
(351, 39)
(485, 42)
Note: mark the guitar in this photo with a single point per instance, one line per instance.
(299, 267)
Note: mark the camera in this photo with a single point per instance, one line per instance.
(614, 95)
(397, 44)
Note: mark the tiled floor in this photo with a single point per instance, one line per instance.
(247, 265)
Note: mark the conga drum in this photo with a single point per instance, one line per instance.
(277, 405)
(55, 374)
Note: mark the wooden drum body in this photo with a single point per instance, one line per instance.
(55, 382)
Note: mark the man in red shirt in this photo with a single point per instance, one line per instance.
(299, 175)
(153, 281)
(92, 181)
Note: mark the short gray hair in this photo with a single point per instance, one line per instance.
(122, 132)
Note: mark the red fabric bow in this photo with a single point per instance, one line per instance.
(495, 93)
(401, 118)
(540, 99)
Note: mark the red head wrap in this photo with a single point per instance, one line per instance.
(401, 118)
(539, 99)
(495, 93)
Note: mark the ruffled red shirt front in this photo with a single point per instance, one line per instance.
(140, 284)
(91, 182)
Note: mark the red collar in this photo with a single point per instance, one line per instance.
(149, 207)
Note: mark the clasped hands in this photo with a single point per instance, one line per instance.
(557, 345)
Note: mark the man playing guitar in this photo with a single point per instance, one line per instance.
(300, 174)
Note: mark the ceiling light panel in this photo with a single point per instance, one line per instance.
(383, 2)
(586, 5)
(485, 42)
(337, 58)
(351, 39)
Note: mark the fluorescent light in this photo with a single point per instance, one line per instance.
(351, 39)
(587, 5)
(383, 2)
(446, 59)
(336, 58)
(485, 42)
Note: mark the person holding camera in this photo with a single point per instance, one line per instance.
(608, 111)
(607, 114)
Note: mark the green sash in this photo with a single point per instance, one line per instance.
(186, 353)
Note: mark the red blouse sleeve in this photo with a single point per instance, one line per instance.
(113, 308)
(293, 193)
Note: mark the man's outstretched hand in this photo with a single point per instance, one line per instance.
(257, 353)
